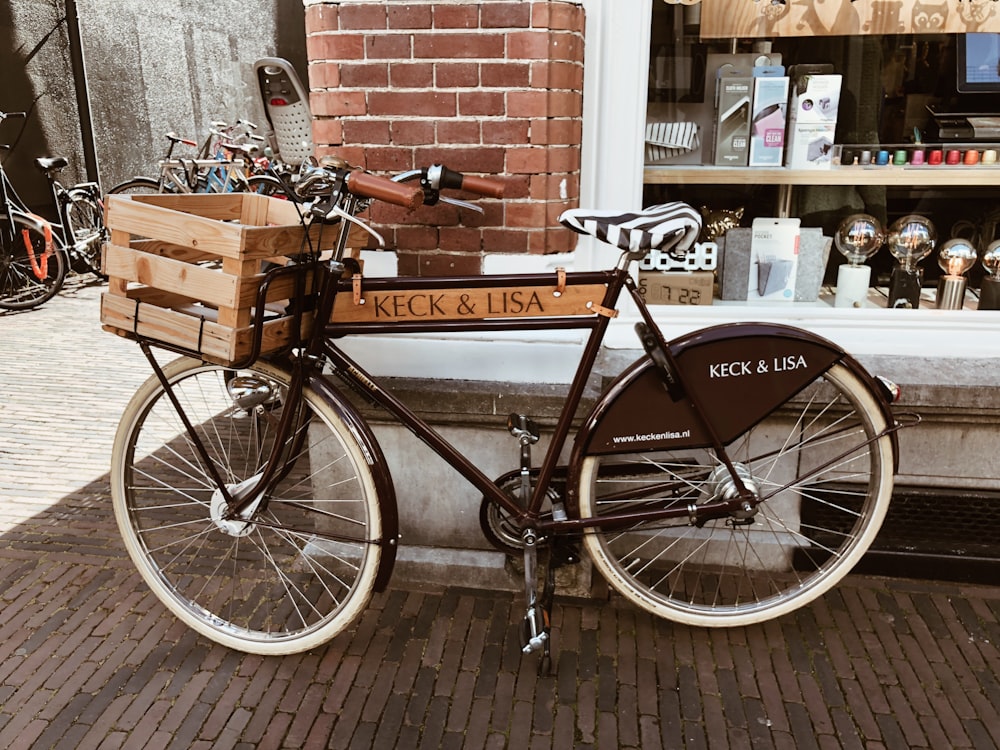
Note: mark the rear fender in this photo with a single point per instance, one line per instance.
(739, 373)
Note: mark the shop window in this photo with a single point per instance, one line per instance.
(898, 94)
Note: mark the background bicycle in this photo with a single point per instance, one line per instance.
(228, 160)
(38, 252)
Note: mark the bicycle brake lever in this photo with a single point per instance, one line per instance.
(460, 203)
(339, 212)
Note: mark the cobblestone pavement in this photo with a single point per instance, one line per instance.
(89, 658)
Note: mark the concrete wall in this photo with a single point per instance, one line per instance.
(151, 68)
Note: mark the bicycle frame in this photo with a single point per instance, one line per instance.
(706, 424)
(12, 205)
(60, 200)
(181, 175)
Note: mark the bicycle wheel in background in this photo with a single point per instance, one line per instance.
(824, 479)
(296, 567)
(32, 270)
(85, 229)
(140, 185)
(264, 184)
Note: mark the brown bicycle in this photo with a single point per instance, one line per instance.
(726, 477)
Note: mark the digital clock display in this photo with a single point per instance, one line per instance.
(677, 288)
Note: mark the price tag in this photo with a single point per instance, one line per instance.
(677, 287)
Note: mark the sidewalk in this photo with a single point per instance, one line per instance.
(90, 659)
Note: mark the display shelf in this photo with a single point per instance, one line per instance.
(925, 175)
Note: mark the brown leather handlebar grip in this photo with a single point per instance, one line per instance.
(384, 189)
(483, 186)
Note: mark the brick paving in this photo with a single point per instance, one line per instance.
(90, 659)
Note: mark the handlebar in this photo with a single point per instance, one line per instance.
(322, 181)
(174, 138)
(439, 176)
(382, 188)
(5, 115)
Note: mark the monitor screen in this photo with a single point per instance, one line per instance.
(978, 63)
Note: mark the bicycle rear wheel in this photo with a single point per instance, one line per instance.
(291, 571)
(824, 480)
(32, 270)
(137, 185)
(85, 229)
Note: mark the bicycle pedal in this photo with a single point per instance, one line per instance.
(535, 630)
(523, 428)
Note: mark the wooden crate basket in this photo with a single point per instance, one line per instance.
(185, 270)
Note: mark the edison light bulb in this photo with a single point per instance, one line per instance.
(955, 258)
(989, 293)
(858, 238)
(910, 239)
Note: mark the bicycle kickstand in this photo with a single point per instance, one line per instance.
(537, 617)
(535, 634)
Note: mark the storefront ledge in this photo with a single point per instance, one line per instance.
(480, 569)
(941, 387)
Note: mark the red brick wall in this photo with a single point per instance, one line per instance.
(492, 87)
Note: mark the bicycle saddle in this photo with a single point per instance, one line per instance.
(55, 162)
(671, 227)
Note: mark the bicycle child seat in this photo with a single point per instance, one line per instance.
(668, 227)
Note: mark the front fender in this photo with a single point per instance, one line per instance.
(384, 487)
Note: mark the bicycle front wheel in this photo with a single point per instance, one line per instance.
(32, 269)
(291, 570)
(822, 469)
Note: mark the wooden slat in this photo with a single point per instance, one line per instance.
(194, 224)
(209, 285)
(254, 210)
(189, 327)
(165, 324)
(217, 206)
(169, 250)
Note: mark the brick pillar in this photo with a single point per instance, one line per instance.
(489, 87)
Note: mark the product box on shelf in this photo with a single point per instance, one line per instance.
(735, 263)
(734, 88)
(767, 124)
(812, 117)
(774, 257)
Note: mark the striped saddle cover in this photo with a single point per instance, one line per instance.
(667, 227)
